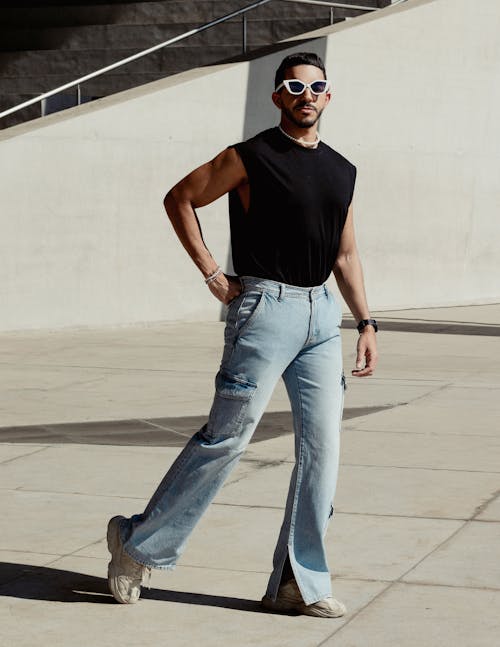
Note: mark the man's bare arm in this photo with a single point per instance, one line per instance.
(201, 187)
(349, 276)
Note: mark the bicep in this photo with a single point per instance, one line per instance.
(211, 180)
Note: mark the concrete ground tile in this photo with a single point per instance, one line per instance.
(382, 548)
(412, 616)
(476, 398)
(9, 452)
(84, 345)
(150, 354)
(460, 415)
(436, 451)
(471, 558)
(379, 490)
(486, 377)
(56, 523)
(447, 369)
(413, 492)
(491, 511)
(89, 469)
(374, 392)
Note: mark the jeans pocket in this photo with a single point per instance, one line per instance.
(248, 310)
(232, 397)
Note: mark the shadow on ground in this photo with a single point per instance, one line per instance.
(394, 324)
(154, 432)
(54, 585)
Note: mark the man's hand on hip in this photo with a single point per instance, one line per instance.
(225, 288)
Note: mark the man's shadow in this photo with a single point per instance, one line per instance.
(54, 585)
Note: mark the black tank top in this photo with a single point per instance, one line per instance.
(299, 199)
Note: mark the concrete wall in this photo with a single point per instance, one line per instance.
(84, 239)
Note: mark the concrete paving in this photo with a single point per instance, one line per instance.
(91, 419)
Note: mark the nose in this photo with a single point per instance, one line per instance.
(308, 95)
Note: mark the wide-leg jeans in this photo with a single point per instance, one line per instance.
(272, 330)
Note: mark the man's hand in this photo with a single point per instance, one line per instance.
(225, 288)
(367, 355)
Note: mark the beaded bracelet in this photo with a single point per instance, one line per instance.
(213, 276)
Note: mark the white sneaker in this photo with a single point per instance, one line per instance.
(290, 599)
(125, 575)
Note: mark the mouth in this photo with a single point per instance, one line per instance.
(306, 109)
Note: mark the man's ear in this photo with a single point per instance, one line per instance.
(276, 97)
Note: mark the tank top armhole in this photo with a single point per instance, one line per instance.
(353, 183)
(244, 156)
(246, 161)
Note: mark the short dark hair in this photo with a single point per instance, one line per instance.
(300, 58)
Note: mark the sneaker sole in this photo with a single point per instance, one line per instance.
(285, 605)
(318, 612)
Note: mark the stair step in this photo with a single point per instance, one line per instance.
(77, 63)
(165, 11)
(144, 36)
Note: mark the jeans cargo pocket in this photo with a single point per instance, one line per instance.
(227, 415)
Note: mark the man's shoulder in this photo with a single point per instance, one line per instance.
(257, 148)
(337, 157)
(265, 137)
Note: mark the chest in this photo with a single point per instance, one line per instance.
(301, 183)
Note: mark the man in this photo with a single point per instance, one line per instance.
(291, 225)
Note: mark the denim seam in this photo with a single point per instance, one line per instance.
(293, 514)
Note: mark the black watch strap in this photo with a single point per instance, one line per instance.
(367, 322)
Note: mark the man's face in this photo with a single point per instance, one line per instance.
(305, 109)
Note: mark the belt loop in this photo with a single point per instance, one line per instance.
(282, 289)
(326, 289)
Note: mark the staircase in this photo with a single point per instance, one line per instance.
(43, 46)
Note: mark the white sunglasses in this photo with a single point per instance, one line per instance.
(295, 86)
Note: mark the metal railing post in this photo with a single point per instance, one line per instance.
(244, 34)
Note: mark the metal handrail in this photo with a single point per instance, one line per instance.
(335, 5)
(243, 11)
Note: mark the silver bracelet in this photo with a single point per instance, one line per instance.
(213, 276)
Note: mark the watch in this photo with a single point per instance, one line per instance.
(367, 322)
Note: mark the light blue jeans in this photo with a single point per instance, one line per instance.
(272, 330)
